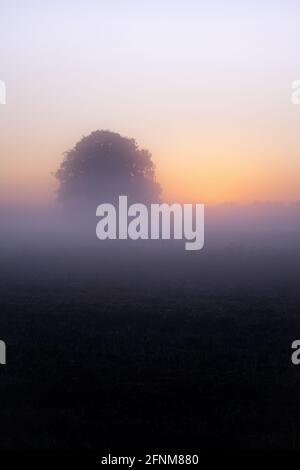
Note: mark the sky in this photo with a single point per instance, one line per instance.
(205, 86)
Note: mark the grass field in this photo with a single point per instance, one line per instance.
(137, 349)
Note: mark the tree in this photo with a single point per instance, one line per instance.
(103, 166)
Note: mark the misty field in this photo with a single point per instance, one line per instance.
(151, 348)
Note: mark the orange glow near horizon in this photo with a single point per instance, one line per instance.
(211, 104)
(213, 181)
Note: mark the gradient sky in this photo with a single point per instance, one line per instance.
(205, 86)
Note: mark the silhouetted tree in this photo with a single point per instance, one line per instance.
(103, 166)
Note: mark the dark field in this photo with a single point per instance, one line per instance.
(126, 348)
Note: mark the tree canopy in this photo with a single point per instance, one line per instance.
(103, 166)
